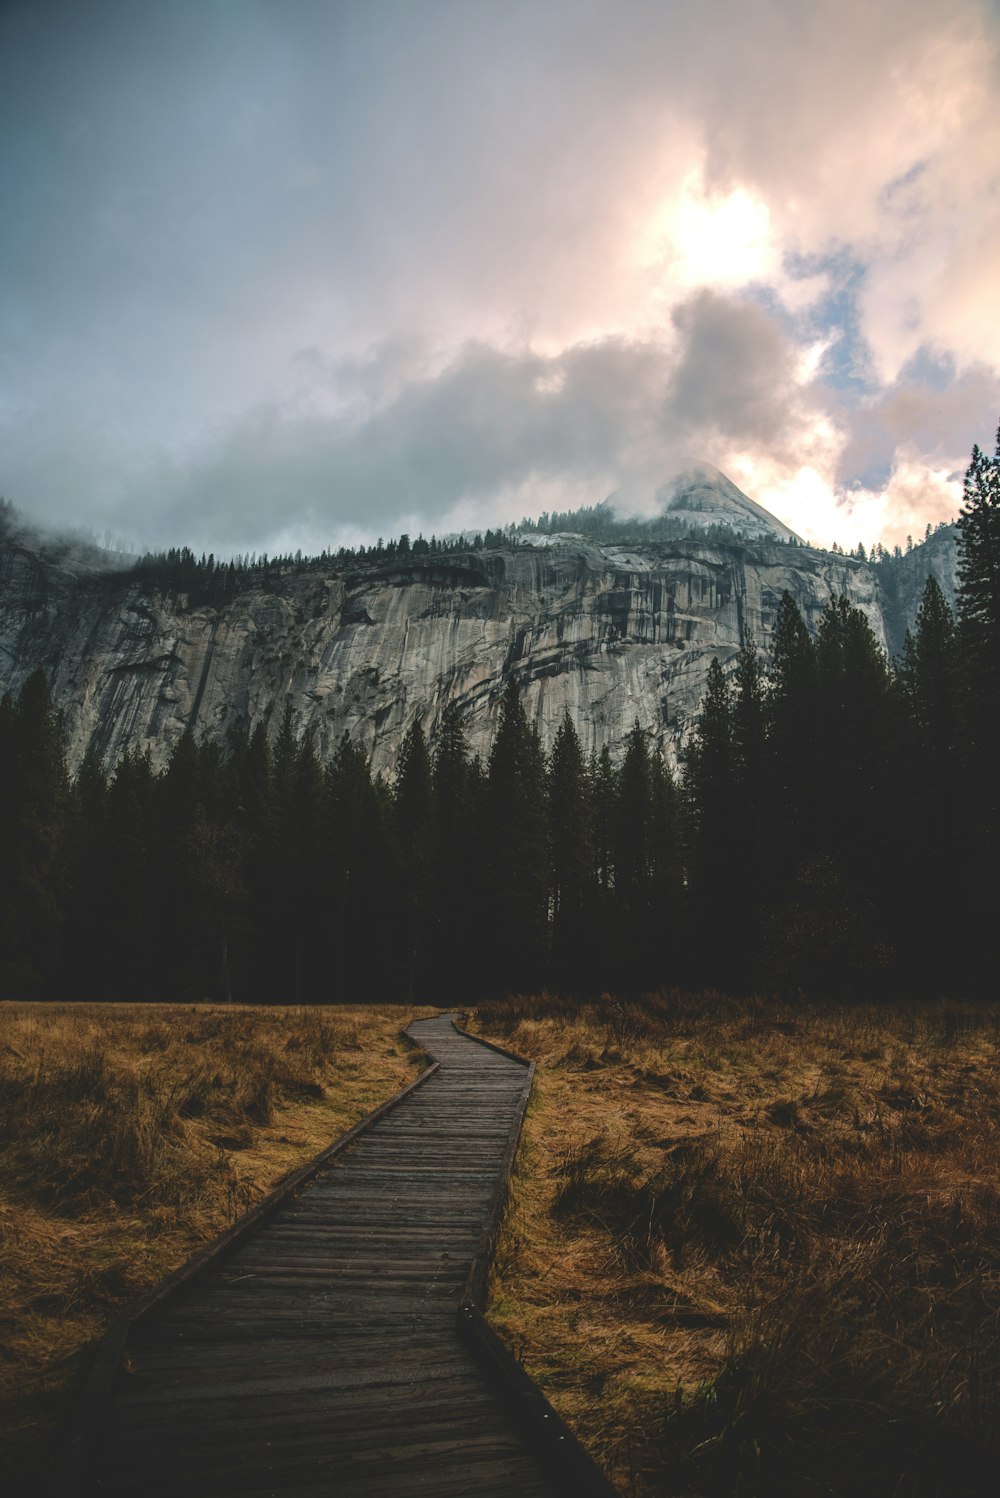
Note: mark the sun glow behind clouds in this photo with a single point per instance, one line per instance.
(706, 239)
(808, 498)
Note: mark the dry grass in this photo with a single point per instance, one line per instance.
(129, 1135)
(757, 1251)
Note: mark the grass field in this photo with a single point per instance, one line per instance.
(755, 1250)
(129, 1135)
(751, 1250)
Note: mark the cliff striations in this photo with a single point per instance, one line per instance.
(612, 633)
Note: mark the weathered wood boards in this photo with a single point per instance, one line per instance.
(321, 1356)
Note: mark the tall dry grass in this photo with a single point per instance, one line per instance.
(129, 1135)
(756, 1250)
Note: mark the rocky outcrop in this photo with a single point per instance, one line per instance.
(610, 633)
(702, 497)
(902, 585)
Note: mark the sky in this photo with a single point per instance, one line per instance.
(283, 273)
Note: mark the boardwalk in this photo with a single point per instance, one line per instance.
(322, 1357)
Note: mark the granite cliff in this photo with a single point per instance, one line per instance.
(611, 632)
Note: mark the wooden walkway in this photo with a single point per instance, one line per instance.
(322, 1356)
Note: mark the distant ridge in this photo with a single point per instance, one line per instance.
(702, 496)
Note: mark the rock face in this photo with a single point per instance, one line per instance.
(609, 632)
(904, 586)
(703, 496)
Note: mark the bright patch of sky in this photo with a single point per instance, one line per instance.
(280, 269)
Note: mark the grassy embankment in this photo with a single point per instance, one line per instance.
(131, 1134)
(756, 1250)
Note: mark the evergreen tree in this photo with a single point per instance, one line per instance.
(791, 742)
(979, 623)
(85, 957)
(749, 729)
(930, 678)
(979, 579)
(35, 821)
(134, 950)
(413, 812)
(666, 875)
(710, 775)
(516, 849)
(633, 854)
(307, 837)
(572, 858)
(853, 746)
(196, 873)
(752, 812)
(8, 824)
(932, 826)
(257, 958)
(603, 796)
(365, 943)
(455, 916)
(604, 944)
(832, 926)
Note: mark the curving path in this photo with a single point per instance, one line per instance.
(322, 1358)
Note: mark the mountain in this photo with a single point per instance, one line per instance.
(702, 496)
(611, 632)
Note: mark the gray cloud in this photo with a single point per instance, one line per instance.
(736, 372)
(942, 420)
(506, 426)
(491, 423)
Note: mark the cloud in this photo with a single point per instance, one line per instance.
(489, 428)
(941, 418)
(736, 373)
(403, 444)
(273, 270)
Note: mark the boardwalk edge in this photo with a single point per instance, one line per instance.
(571, 1467)
(108, 1355)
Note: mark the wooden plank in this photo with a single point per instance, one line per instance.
(320, 1354)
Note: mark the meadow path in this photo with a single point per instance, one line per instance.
(322, 1356)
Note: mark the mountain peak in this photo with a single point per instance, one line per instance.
(703, 496)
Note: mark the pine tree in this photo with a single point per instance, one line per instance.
(258, 954)
(979, 623)
(455, 911)
(413, 810)
(752, 812)
(134, 956)
(196, 872)
(791, 742)
(979, 574)
(572, 860)
(310, 884)
(83, 968)
(853, 744)
(710, 773)
(516, 848)
(359, 810)
(931, 676)
(633, 853)
(603, 795)
(932, 827)
(36, 830)
(666, 875)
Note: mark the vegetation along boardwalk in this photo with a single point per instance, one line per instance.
(338, 1348)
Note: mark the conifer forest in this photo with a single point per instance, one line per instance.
(832, 829)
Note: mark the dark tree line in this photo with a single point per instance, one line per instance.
(257, 873)
(834, 829)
